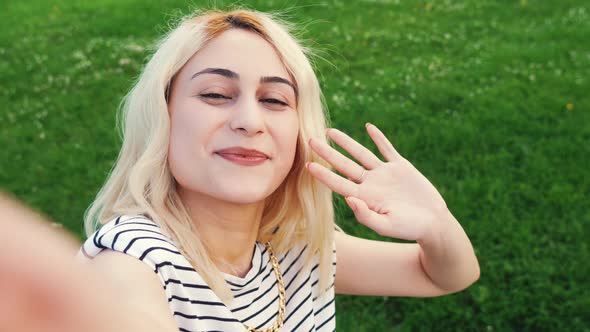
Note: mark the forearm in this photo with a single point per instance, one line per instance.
(447, 255)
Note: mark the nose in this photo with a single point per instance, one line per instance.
(247, 117)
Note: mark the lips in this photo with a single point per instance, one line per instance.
(243, 156)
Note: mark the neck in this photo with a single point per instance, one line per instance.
(228, 230)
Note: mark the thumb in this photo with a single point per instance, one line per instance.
(368, 217)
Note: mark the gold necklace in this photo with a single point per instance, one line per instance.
(281, 314)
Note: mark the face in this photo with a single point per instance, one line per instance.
(234, 122)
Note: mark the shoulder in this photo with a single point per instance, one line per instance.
(136, 236)
(132, 255)
(121, 254)
(115, 232)
(301, 261)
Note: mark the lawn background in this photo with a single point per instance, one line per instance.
(489, 99)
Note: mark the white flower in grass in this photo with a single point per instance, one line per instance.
(338, 99)
(79, 55)
(135, 47)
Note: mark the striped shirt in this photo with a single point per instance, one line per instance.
(196, 307)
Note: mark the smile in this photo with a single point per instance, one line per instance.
(243, 156)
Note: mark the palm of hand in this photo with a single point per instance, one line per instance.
(393, 197)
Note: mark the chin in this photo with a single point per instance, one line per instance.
(233, 187)
(244, 188)
(242, 196)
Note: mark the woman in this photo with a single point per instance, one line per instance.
(223, 189)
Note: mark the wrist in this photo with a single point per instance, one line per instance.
(441, 220)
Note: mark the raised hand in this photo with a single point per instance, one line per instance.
(393, 198)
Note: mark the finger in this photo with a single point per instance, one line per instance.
(333, 181)
(383, 144)
(375, 221)
(356, 150)
(340, 162)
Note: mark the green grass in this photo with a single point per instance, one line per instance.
(474, 93)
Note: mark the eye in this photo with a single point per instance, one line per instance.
(274, 101)
(214, 96)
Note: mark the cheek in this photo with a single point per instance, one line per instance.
(188, 142)
(288, 131)
(178, 154)
(182, 128)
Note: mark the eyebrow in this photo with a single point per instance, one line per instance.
(235, 76)
(218, 71)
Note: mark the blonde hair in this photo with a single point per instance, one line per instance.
(141, 183)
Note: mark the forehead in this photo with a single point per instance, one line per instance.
(239, 50)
